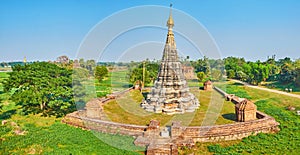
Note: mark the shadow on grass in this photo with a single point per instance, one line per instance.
(127, 85)
(7, 114)
(230, 116)
(237, 84)
(283, 86)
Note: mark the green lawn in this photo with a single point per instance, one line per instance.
(126, 109)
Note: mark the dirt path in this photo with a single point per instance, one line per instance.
(266, 89)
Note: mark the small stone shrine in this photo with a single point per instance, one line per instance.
(170, 93)
(93, 109)
(245, 111)
(207, 85)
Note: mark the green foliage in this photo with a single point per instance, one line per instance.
(201, 76)
(216, 74)
(59, 139)
(136, 73)
(287, 73)
(41, 87)
(202, 65)
(80, 73)
(88, 64)
(101, 72)
(234, 89)
(230, 74)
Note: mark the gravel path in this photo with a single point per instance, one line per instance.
(266, 89)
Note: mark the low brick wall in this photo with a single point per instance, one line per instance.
(265, 124)
(103, 126)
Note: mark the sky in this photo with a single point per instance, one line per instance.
(45, 30)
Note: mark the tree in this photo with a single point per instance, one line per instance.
(80, 73)
(101, 72)
(287, 73)
(136, 73)
(216, 74)
(201, 76)
(202, 65)
(82, 63)
(41, 87)
(230, 74)
(240, 75)
(90, 65)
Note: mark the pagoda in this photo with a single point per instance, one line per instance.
(170, 93)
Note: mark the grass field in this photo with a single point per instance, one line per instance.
(47, 135)
(287, 141)
(126, 109)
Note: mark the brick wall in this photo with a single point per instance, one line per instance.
(103, 126)
(265, 124)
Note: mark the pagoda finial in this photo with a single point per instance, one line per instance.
(170, 22)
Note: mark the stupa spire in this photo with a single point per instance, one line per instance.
(170, 24)
(170, 93)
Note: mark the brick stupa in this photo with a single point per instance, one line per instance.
(170, 93)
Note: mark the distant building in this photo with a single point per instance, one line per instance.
(188, 72)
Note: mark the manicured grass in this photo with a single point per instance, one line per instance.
(126, 109)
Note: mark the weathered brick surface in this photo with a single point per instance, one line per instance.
(104, 126)
(233, 131)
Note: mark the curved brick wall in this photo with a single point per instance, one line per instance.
(104, 126)
(238, 130)
(265, 124)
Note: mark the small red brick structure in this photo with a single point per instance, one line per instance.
(93, 108)
(245, 111)
(207, 85)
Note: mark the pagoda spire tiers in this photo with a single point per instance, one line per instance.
(170, 24)
(170, 93)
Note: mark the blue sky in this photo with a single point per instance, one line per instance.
(44, 30)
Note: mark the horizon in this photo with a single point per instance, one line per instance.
(254, 30)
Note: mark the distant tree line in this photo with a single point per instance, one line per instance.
(282, 70)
